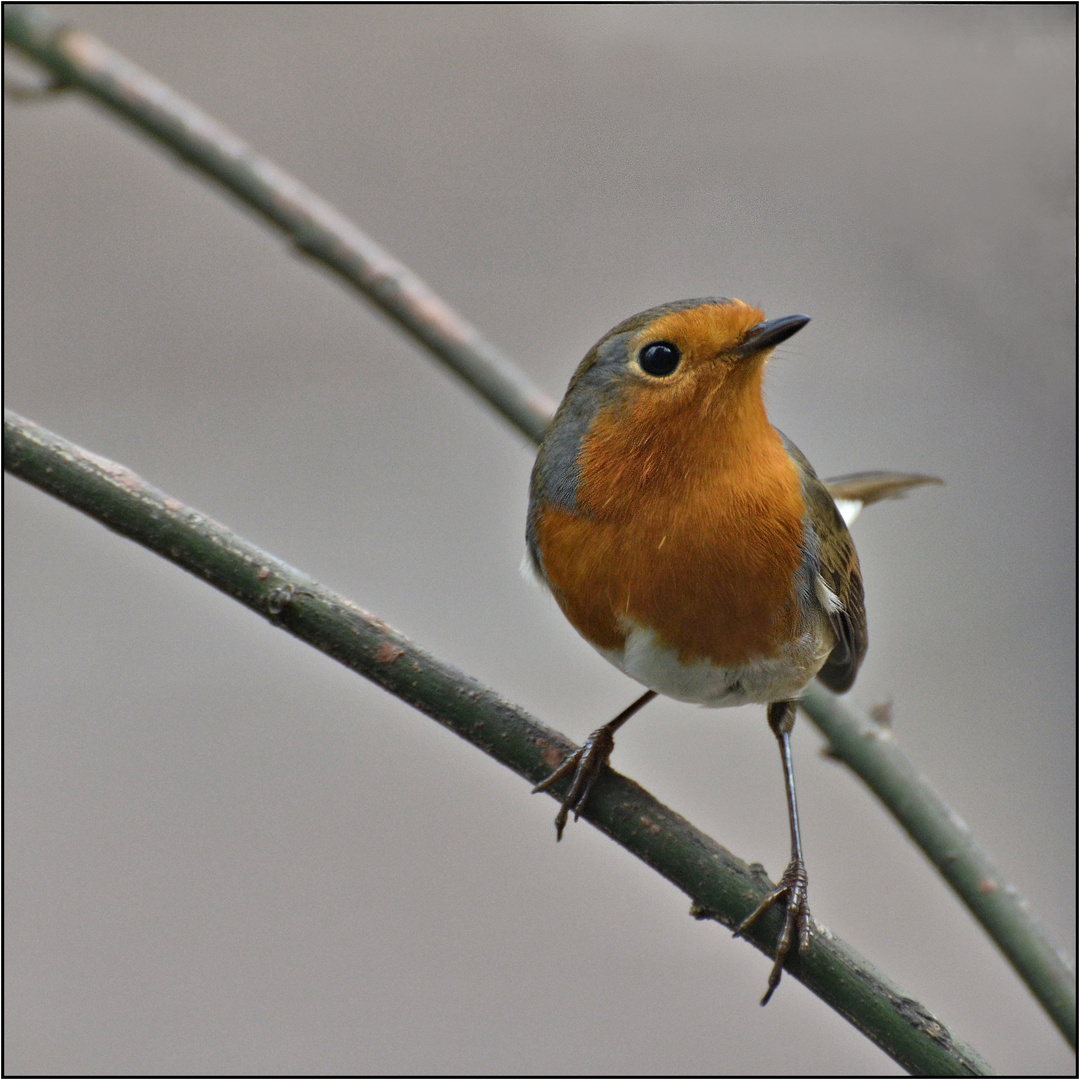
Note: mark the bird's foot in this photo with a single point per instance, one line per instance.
(792, 891)
(586, 763)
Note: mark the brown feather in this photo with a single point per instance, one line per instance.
(872, 487)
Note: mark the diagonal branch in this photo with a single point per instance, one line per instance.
(316, 228)
(324, 233)
(720, 885)
(870, 751)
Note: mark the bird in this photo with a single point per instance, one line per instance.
(692, 544)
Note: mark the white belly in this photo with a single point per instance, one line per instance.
(778, 678)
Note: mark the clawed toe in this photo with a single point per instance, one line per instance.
(586, 763)
(792, 890)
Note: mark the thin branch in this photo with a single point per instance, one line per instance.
(869, 750)
(80, 60)
(721, 885)
(315, 227)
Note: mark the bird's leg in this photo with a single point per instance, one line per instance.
(586, 763)
(792, 887)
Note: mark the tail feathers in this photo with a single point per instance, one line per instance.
(856, 490)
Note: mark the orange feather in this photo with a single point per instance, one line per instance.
(689, 515)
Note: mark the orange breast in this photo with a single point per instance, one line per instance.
(691, 527)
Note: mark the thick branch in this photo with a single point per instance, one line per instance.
(721, 885)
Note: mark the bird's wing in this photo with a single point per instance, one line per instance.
(838, 566)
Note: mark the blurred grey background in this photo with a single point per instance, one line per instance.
(225, 853)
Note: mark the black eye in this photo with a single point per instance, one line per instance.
(659, 358)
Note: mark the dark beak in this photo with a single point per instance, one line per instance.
(769, 334)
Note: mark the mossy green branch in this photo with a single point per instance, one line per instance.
(720, 884)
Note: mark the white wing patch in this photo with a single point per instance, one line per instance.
(849, 509)
(827, 598)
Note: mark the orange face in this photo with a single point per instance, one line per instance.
(687, 511)
(660, 431)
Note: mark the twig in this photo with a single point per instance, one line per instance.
(721, 885)
(315, 227)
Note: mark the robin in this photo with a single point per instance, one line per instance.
(692, 544)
